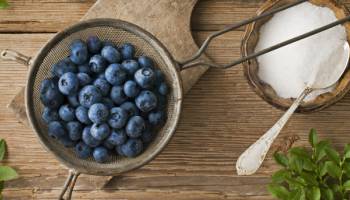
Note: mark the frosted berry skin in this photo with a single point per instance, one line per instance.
(98, 113)
(111, 54)
(100, 154)
(84, 79)
(156, 118)
(73, 100)
(66, 113)
(68, 84)
(94, 44)
(75, 130)
(131, 89)
(89, 95)
(130, 66)
(117, 95)
(79, 52)
(49, 115)
(146, 101)
(81, 113)
(127, 51)
(97, 63)
(118, 118)
(145, 78)
(130, 108)
(83, 150)
(103, 86)
(135, 126)
(56, 129)
(145, 61)
(115, 74)
(117, 137)
(100, 131)
(62, 67)
(88, 139)
(50, 96)
(132, 148)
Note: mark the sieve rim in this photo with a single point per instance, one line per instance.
(129, 27)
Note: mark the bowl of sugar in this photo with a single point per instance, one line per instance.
(280, 76)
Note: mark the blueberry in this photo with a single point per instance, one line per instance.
(159, 76)
(84, 79)
(103, 85)
(88, 139)
(118, 117)
(145, 61)
(75, 130)
(89, 95)
(130, 66)
(145, 77)
(108, 102)
(127, 50)
(119, 151)
(147, 136)
(49, 115)
(79, 52)
(157, 118)
(146, 101)
(68, 83)
(50, 96)
(82, 150)
(111, 54)
(81, 113)
(130, 108)
(163, 89)
(117, 95)
(98, 113)
(100, 131)
(62, 67)
(97, 63)
(56, 129)
(135, 126)
(66, 141)
(94, 44)
(73, 100)
(109, 43)
(66, 113)
(162, 102)
(84, 68)
(115, 74)
(132, 148)
(100, 154)
(117, 137)
(131, 89)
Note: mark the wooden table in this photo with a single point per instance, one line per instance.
(221, 116)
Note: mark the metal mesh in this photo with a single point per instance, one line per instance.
(118, 32)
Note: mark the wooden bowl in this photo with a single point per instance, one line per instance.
(264, 90)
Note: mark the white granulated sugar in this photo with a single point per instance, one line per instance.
(288, 69)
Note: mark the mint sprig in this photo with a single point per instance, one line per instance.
(3, 4)
(320, 173)
(6, 173)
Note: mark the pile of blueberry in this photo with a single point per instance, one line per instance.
(102, 100)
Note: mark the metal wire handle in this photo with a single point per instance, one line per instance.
(8, 54)
(69, 185)
(194, 60)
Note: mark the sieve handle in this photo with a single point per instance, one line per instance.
(8, 54)
(69, 185)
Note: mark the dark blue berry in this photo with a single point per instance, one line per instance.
(159, 76)
(88, 139)
(127, 50)
(117, 137)
(84, 79)
(118, 117)
(131, 89)
(66, 141)
(100, 154)
(130, 66)
(49, 115)
(115, 74)
(146, 101)
(62, 67)
(130, 108)
(145, 77)
(103, 85)
(157, 118)
(68, 84)
(108, 102)
(81, 113)
(117, 95)
(56, 129)
(79, 52)
(50, 96)
(82, 150)
(145, 61)
(66, 113)
(100, 131)
(75, 130)
(135, 126)
(132, 148)
(84, 68)
(147, 136)
(94, 44)
(89, 95)
(163, 89)
(97, 63)
(98, 113)
(111, 54)
(73, 100)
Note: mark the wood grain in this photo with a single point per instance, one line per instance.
(221, 117)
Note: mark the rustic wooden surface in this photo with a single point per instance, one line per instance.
(221, 117)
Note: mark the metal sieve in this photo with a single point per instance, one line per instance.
(118, 32)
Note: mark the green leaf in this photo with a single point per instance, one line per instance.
(327, 194)
(7, 173)
(346, 167)
(313, 193)
(333, 169)
(313, 137)
(299, 152)
(347, 151)
(295, 183)
(297, 194)
(295, 163)
(320, 149)
(280, 176)
(3, 4)
(281, 159)
(323, 168)
(309, 178)
(2, 149)
(278, 191)
(346, 185)
(333, 155)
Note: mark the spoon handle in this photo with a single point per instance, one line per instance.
(249, 161)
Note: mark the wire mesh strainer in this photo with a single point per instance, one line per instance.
(118, 32)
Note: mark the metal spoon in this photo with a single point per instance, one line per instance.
(250, 161)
